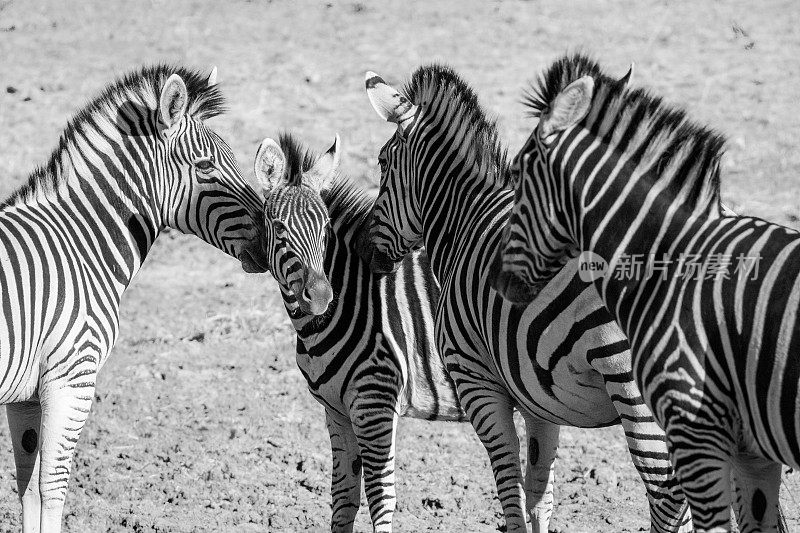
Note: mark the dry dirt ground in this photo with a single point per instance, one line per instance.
(202, 422)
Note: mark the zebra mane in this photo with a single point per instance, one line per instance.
(299, 159)
(203, 103)
(665, 138)
(437, 87)
(348, 205)
(137, 88)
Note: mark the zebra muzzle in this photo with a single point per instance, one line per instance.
(316, 294)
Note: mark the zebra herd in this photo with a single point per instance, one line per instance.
(464, 291)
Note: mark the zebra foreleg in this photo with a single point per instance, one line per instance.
(24, 424)
(345, 475)
(64, 413)
(757, 482)
(374, 424)
(669, 512)
(539, 474)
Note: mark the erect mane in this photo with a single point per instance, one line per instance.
(299, 159)
(138, 88)
(348, 205)
(432, 85)
(665, 137)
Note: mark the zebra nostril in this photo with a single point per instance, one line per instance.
(306, 295)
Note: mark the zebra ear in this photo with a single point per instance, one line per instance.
(569, 107)
(212, 78)
(269, 165)
(388, 103)
(172, 104)
(321, 175)
(628, 77)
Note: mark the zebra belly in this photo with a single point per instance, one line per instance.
(552, 354)
(568, 395)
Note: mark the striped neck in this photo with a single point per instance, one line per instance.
(107, 198)
(632, 205)
(455, 196)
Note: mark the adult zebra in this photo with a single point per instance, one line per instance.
(137, 159)
(561, 360)
(364, 342)
(620, 177)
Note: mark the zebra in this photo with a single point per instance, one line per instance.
(614, 175)
(560, 360)
(364, 342)
(135, 160)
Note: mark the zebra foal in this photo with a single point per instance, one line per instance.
(616, 176)
(364, 342)
(137, 159)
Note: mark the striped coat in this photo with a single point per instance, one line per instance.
(369, 354)
(137, 159)
(561, 360)
(708, 301)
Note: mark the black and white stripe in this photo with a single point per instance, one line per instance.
(137, 159)
(561, 360)
(619, 174)
(369, 356)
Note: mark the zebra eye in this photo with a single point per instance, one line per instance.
(280, 227)
(204, 165)
(384, 165)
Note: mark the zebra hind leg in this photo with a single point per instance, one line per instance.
(492, 417)
(24, 423)
(703, 467)
(542, 447)
(345, 474)
(757, 482)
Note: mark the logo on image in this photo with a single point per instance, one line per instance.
(591, 267)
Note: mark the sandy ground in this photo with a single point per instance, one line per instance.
(202, 422)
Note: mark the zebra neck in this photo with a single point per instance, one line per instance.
(459, 204)
(102, 209)
(639, 229)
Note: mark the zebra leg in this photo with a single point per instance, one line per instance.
(542, 447)
(669, 511)
(374, 424)
(24, 424)
(64, 413)
(703, 469)
(757, 482)
(345, 475)
(492, 416)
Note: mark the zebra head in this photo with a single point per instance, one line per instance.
(396, 227)
(202, 187)
(296, 220)
(539, 237)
